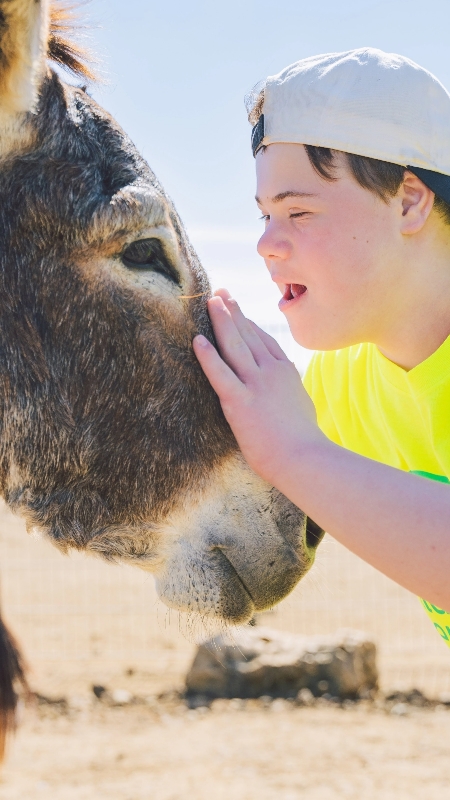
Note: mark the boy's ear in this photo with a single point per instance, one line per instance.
(24, 31)
(417, 202)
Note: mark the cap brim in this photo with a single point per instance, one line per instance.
(436, 181)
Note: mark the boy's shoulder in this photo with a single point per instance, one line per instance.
(335, 380)
(328, 368)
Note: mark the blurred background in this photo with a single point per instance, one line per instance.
(175, 75)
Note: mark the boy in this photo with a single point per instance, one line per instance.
(353, 182)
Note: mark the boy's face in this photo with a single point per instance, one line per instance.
(334, 249)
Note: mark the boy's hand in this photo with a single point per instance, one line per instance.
(397, 522)
(260, 390)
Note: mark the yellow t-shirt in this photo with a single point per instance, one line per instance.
(369, 405)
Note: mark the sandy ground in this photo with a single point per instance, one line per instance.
(82, 622)
(317, 753)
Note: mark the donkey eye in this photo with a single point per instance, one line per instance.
(148, 254)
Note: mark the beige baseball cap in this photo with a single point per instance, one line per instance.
(365, 102)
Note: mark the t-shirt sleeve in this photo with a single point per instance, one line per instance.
(318, 374)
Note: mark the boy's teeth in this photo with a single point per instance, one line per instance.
(293, 290)
(297, 289)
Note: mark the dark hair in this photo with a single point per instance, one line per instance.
(380, 177)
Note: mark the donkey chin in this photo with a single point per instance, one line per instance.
(235, 549)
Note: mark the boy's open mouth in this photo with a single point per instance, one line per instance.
(292, 292)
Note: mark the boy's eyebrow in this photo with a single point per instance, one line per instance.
(283, 195)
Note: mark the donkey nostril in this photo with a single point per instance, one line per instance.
(314, 534)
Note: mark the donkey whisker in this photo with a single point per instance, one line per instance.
(191, 296)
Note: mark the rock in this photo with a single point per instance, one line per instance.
(400, 709)
(305, 697)
(198, 701)
(57, 703)
(121, 697)
(256, 662)
(413, 698)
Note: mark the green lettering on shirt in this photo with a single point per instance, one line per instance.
(429, 607)
(422, 474)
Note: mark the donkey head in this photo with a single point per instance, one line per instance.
(111, 439)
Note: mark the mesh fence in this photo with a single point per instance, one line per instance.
(76, 608)
(71, 609)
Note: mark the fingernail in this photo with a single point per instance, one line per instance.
(201, 340)
(217, 300)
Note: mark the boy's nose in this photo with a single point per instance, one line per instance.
(273, 246)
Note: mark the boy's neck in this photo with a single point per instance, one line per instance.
(409, 354)
(422, 320)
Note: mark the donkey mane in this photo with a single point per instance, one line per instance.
(64, 22)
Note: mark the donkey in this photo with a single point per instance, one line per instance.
(111, 439)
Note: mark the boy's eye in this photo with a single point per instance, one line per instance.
(265, 217)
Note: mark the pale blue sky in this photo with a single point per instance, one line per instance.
(177, 73)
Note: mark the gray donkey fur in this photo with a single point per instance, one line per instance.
(111, 439)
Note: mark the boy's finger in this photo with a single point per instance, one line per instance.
(272, 345)
(233, 347)
(223, 293)
(255, 343)
(223, 380)
(245, 325)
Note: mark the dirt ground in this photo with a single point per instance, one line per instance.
(315, 753)
(82, 623)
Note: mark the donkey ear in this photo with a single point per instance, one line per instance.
(24, 31)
